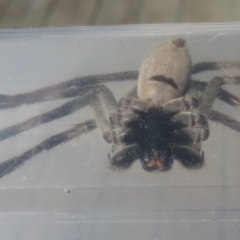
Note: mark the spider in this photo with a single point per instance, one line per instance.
(163, 119)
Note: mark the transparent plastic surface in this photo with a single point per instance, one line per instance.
(70, 191)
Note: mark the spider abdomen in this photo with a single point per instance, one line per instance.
(164, 74)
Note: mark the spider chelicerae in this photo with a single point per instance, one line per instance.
(163, 119)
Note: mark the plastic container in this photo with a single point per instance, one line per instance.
(70, 191)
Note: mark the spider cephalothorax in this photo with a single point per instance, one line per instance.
(155, 133)
(164, 118)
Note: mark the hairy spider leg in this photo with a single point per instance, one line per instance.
(223, 95)
(65, 89)
(209, 95)
(210, 66)
(12, 164)
(103, 104)
(224, 119)
(62, 111)
(211, 92)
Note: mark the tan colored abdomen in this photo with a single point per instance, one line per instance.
(171, 61)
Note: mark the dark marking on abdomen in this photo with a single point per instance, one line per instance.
(169, 81)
